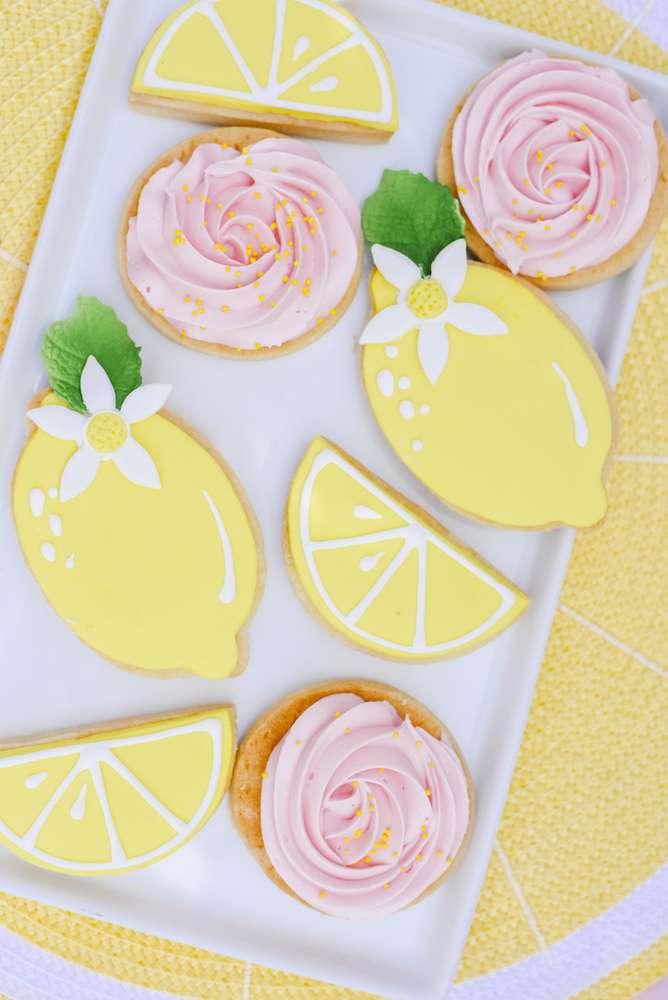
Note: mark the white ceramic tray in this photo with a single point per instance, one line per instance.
(262, 417)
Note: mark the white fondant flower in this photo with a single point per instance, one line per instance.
(104, 434)
(428, 304)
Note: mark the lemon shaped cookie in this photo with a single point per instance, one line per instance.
(133, 527)
(118, 798)
(382, 572)
(485, 390)
(306, 65)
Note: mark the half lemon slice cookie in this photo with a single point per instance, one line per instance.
(118, 798)
(382, 572)
(306, 65)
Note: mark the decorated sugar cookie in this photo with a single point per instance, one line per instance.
(115, 798)
(307, 66)
(486, 391)
(353, 797)
(561, 169)
(381, 572)
(242, 243)
(134, 528)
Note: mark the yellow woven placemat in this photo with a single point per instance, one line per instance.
(587, 814)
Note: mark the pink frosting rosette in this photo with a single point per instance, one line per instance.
(245, 249)
(555, 164)
(361, 810)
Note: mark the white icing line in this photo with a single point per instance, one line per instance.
(413, 534)
(655, 287)
(229, 589)
(278, 44)
(579, 423)
(118, 855)
(643, 459)
(623, 647)
(529, 915)
(631, 27)
(356, 613)
(9, 258)
(123, 772)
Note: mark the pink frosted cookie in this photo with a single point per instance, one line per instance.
(241, 242)
(353, 797)
(560, 167)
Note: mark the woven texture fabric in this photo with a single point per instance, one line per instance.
(587, 814)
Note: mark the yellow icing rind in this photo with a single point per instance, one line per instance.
(255, 57)
(407, 591)
(138, 573)
(115, 798)
(498, 441)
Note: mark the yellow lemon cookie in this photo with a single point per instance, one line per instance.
(135, 530)
(485, 390)
(308, 66)
(117, 798)
(381, 572)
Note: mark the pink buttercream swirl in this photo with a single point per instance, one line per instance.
(361, 810)
(554, 163)
(246, 249)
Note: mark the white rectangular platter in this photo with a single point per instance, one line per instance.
(262, 417)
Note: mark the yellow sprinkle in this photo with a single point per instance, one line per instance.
(359, 812)
(184, 187)
(336, 715)
(515, 201)
(424, 835)
(526, 181)
(347, 728)
(613, 201)
(418, 857)
(346, 840)
(571, 133)
(386, 885)
(374, 851)
(198, 302)
(249, 225)
(225, 309)
(231, 214)
(322, 894)
(462, 190)
(449, 858)
(477, 179)
(161, 309)
(183, 333)
(550, 166)
(547, 228)
(261, 298)
(539, 155)
(354, 783)
(427, 791)
(264, 774)
(558, 184)
(430, 764)
(249, 162)
(257, 194)
(186, 298)
(532, 211)
(525, 246)
(439, 853)
(219, 204)
(372, 809)
(368, 859)
(396, 733)
(548, 190)
(557, 253)
(603, 163)
(573, 235)
(571, 268)
(597, 218)
(189, 197)
(357, 834)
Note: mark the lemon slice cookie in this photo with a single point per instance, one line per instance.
(110, 800)
(307, 66)
(381, 572)
(136, 531)
(488, 393)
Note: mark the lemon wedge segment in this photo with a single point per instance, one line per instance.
(118, 799)
(381, 572)
(305, 59)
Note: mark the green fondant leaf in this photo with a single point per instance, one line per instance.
(413, 215)
(91, 328)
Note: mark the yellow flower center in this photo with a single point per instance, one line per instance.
(427, 299)
(106, 432)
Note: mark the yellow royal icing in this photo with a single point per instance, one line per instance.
(117, 800)
(381, 573)
(154, 579)
(517, 428)
(305, 58)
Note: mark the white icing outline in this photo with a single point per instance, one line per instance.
(270, 95)
(580, 426)
(416, 537)
(90, 757)
(229, 589)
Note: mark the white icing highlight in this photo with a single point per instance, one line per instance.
(69, 562)
(89, 759)
(385, 382)
(36, 501)
(391, 351)
(56, 525)
(324, 86)
(53, 492)
(33, 781)
(48, 551)
(270, 95)
(406, 409)
(404, 382)
(425, 408)
(78, 807)
(367, 563)
(415, 537)
(229, 588)
(302, 45)
(579, 423)
(417, 445)
(365, 513)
